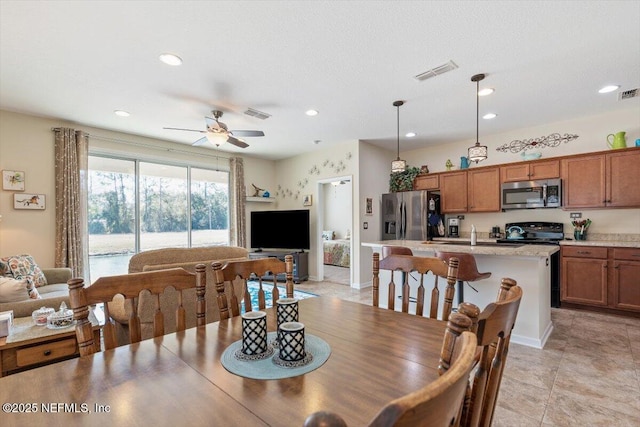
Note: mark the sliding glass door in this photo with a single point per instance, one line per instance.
(136, 206)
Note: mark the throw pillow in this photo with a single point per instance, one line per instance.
(25, 267)
(4, 267)
(14, 290)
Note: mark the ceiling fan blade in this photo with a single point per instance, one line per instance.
(237, 142)
(190, 130)
(247, 132)
(201, 141)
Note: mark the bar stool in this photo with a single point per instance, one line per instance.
(467, 270)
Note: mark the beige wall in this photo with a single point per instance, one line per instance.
(26, 144)
(592, 132)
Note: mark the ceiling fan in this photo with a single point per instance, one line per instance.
(217, 132)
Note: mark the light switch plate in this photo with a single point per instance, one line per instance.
(575, 215)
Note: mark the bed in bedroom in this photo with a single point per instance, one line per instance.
(336, 252)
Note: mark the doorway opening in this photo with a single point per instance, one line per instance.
(335, 227)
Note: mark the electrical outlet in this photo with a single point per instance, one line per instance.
(365, 225)
(460, 216)
(575, 215)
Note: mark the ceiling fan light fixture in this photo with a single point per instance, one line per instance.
(477, 152)
(398, 165)
(217, 138)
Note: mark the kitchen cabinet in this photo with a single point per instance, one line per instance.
(453, 192)
(605, 277)
(426, 182)
(470, 190)
(539, 169)
(584, 275)
(606, 180)
(483, 190)
(626, 279)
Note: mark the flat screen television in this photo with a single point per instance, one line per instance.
(280, 229)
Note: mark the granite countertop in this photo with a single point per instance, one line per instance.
(462, 245)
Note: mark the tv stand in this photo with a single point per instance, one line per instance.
(300, 264)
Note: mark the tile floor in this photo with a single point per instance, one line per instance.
(588, 374)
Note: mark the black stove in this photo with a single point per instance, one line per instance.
(533, 233)
(540, 233)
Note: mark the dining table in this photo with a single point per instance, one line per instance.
(376, 355)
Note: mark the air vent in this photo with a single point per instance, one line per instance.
(441, 69)
(628, 94)
(255, 113)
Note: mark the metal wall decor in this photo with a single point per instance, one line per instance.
(552, 140)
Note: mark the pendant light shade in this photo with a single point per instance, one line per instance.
(477, 152)
(398, 165)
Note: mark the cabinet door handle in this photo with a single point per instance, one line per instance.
(47, 352)
(638, 255)
(584, 252)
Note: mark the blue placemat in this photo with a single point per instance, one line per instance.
(267, 370)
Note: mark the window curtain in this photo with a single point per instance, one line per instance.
(71, 157)
(237, 192)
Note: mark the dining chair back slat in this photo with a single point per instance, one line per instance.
(425, 267)
(130, 286)
(250, 270)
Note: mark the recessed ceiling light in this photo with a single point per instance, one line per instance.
(489, 116)
(121, 113)
(486, 91)
(608, 89)
(311, 112)
(410, 134)
(170, 59)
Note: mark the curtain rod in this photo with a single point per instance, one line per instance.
(153, 147)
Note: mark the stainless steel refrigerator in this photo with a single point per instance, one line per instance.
(411, 215)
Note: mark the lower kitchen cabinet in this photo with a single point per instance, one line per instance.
(626, 279)
(603, 277)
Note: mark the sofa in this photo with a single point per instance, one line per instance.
(52, 294)
(161, 259)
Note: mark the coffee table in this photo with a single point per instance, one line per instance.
(29, 346)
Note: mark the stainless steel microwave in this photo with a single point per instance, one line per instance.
(532, 194)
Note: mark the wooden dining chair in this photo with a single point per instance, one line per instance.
(422, 266)
(250, 270)
(493, 327)
(130, 286)
(437, 404)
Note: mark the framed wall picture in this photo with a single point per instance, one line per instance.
(13, 180)
(369, 206)
(29, 201)
(307, 200)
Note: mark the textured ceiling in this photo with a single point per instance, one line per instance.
(80, 61)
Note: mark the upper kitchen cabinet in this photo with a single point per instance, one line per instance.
(470, 190)
(484, 190)
(453, 192)
(602, 180)
(529, 171)
(426, 182)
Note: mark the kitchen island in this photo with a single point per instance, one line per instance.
(529, 265)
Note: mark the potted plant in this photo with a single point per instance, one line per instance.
(403, 181)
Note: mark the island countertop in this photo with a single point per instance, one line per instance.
(484, 247)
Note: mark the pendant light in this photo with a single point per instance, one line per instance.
(398, 165)
(477, 152)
